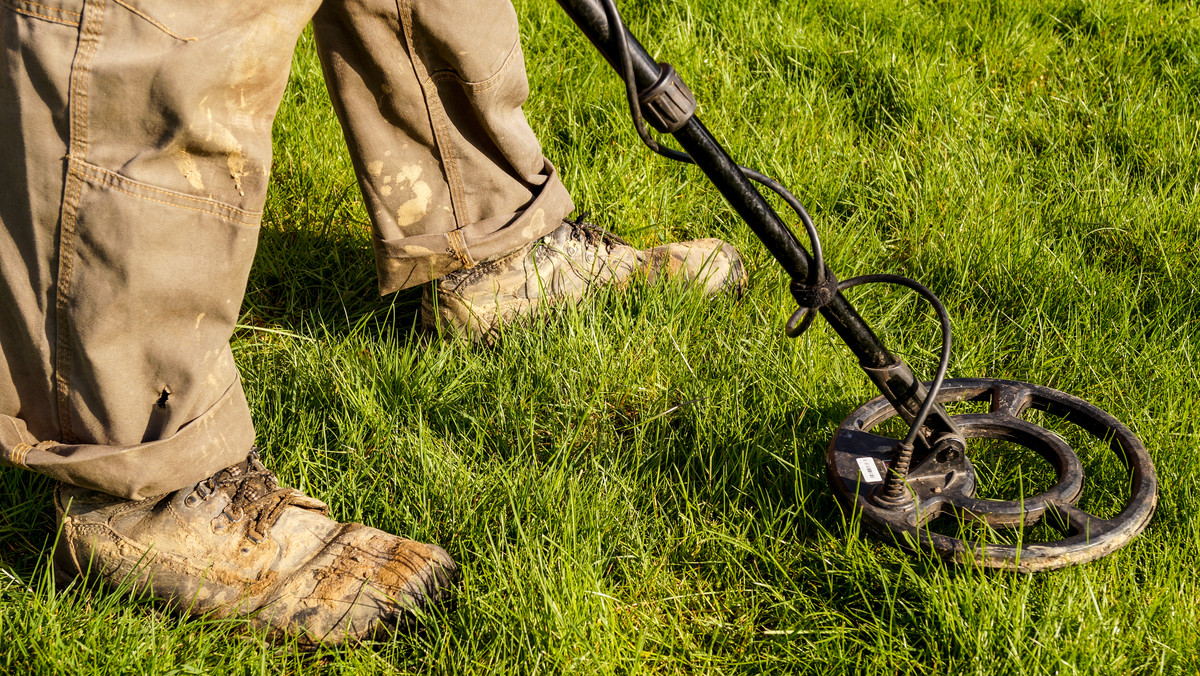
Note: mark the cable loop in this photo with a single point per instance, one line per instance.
(810, 296)
(816, 296)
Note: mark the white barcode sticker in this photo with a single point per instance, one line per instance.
(870, 473)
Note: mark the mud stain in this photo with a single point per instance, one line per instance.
(536, 223)
(235, 159)
(187, 167)
(415, 208)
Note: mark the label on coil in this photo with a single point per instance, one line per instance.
(870, 473)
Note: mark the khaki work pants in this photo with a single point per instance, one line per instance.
(134, 155)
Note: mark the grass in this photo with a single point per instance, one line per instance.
(639, 485)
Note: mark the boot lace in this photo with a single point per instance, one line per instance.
(254, 491)
(591, 235)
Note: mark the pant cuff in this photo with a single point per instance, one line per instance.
(408, 261)
(220, 437)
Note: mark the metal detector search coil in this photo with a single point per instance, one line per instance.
(928, 474)
(944, 484)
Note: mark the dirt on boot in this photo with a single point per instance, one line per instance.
(239, 544)
(561, 267)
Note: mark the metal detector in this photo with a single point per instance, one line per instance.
(900, 489)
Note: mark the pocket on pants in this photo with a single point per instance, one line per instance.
(154, 288)
(473, 41)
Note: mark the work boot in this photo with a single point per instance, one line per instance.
(239, 544)
(559, 268)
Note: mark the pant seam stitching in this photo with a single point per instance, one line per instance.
(116, 181)
(153, 22)
(19, 453)
(436, 119)
(452, 172)
(486, 83)
(459, 248)
(89, 35)
(118, 188)
(22, 9)
(38, 4)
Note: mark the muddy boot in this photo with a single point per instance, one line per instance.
(560, 268)
(239, 544)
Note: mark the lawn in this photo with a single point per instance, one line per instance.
(637, 484)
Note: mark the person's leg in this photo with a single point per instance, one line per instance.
(429, 93)
(135, 151)
(135, 156)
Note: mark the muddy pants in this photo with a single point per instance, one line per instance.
(134, 154)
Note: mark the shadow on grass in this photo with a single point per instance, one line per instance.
(305, 281)
(27, 521)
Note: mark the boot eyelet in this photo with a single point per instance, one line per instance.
(224, 520)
